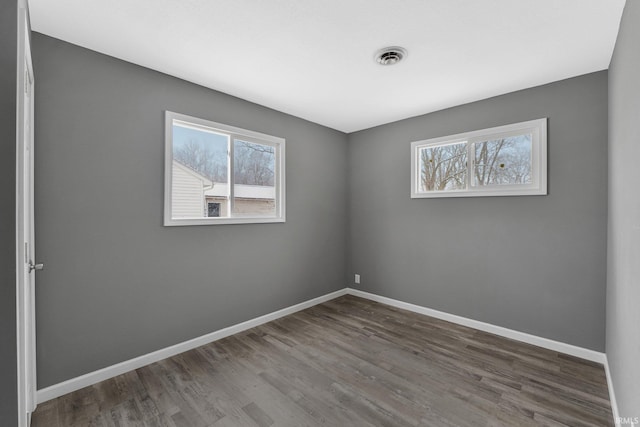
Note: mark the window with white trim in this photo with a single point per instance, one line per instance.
(507, 160)
(220, 174)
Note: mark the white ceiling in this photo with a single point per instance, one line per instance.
(314, 58)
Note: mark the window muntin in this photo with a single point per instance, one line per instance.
(219, 174)
(502, 161)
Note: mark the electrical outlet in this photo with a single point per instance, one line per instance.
(357, 279)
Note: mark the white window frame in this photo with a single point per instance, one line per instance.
(233, 133)
(538, 186)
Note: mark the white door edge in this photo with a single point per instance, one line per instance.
(26, 381)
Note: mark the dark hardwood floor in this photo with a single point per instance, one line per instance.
(348, 362)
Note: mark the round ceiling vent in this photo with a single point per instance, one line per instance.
(390, 55)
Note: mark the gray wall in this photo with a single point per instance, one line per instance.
(535, 264)
(117, 284)
(623, 284)
(8, 72)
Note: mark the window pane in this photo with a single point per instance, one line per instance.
(213, 209)
(503, 161)
(200, 173)
(443, 168)
(254, 179)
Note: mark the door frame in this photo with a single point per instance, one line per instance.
(25, 304)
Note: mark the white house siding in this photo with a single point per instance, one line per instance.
(266, 207)
(191, 192)
(249, 199)
(243, 206)
(187, 192)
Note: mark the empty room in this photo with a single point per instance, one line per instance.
(337, 213)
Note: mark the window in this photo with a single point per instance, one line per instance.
(213, 209)
(219, 174)
(507, 160)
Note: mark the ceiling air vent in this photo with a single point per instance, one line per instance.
(390, 55)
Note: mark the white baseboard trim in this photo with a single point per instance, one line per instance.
(612, 393)
(91, 378)
(558, 346)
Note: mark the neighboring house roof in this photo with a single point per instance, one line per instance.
(241, 190)
(221, 189)
(206, 182)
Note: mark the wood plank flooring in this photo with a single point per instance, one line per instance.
(348, 362)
